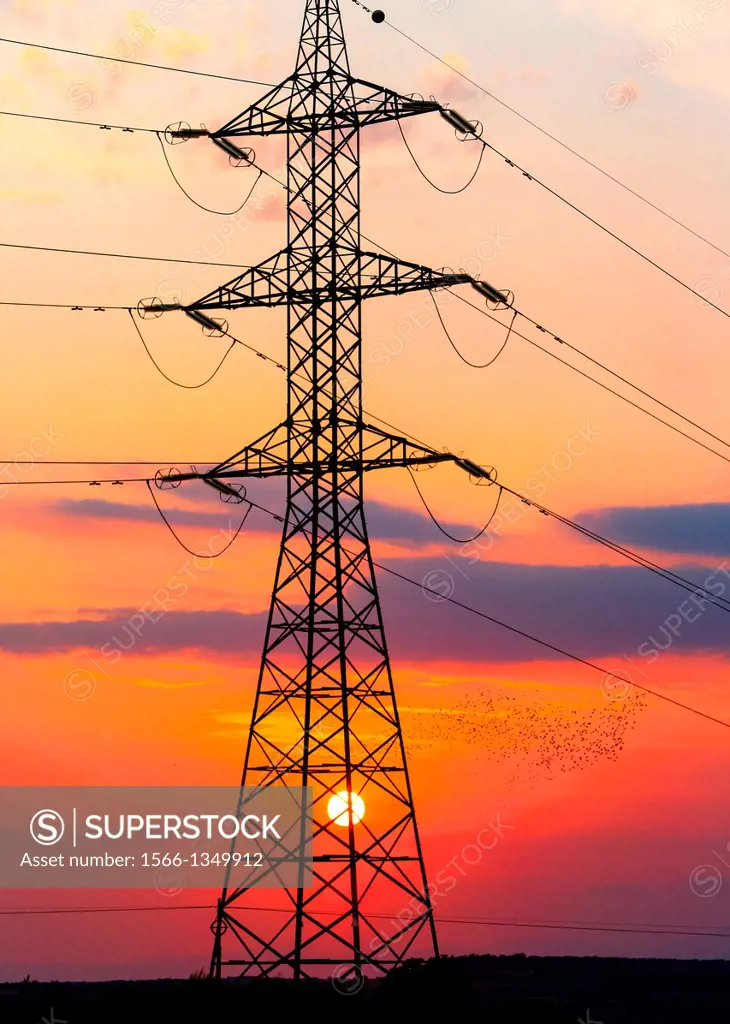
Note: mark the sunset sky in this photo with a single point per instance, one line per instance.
(612, 797)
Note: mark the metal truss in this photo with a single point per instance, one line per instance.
(325, 714)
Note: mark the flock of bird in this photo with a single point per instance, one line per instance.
(536, 735)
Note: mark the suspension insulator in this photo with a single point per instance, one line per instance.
(477, 130)
(506, 300)
(487, 290)
(149, 309)
(236, 156)
(167, 480)
(457, 121)
(213, 327)
(182, 132)
(231, 494)
(474, 470)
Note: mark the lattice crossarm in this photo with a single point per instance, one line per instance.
(386, 275)
(375, 104)
(267, 116)
(263, 285)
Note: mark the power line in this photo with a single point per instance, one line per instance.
(439, 527)
(463, 358)
(567, 926)
(608, 231)
(529, 636)
(138, 63)
(614, 546)
(524, 337)
(422, 586)
(562, 341)
(106, 462)
(672, 577)
(591, 926)
(552, 647)
(619, 549)
(632, 556)
(563, 145)
(73, 120)
(444, 191)
(171, 380)
(208, 209)
(624, 380)
(93, 482)
(605, 387)
(116, 255)
(195, 554)
(331, 211)
(474, 365)
(61, 305)
(524, 316)
(531, 177)
(32, 911)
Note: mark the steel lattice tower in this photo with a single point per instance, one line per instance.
(325, 713)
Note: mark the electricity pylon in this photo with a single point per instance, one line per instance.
(325, 713)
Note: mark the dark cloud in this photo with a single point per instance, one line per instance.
(596, 612)
(94, 508)
(689, 529)
(153, 632)
(592, 611)
(385, 522)
(388, 522)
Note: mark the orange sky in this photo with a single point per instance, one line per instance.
(609, 831)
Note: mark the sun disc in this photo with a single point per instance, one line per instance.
(341, 805)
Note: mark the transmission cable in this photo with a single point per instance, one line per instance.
(681, 581)
(633, 556)
(591, 926)
(570, 366)
(552, 647)
(559, 142)
(624, 380)
(475, 366)
(530, 341)
(196, 554)
(95, 482)
(208, 209)
(605, 387)
(119, 255)
(628, 553)
(103, 462)
(608, 231)
(60, 305)
(138, 63)
(422, 587)
(177, 383)
(445, 191)
(72, 120)
(441, 529)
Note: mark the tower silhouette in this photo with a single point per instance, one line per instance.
(325, 713)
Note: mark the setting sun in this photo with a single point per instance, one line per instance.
(339, 807)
